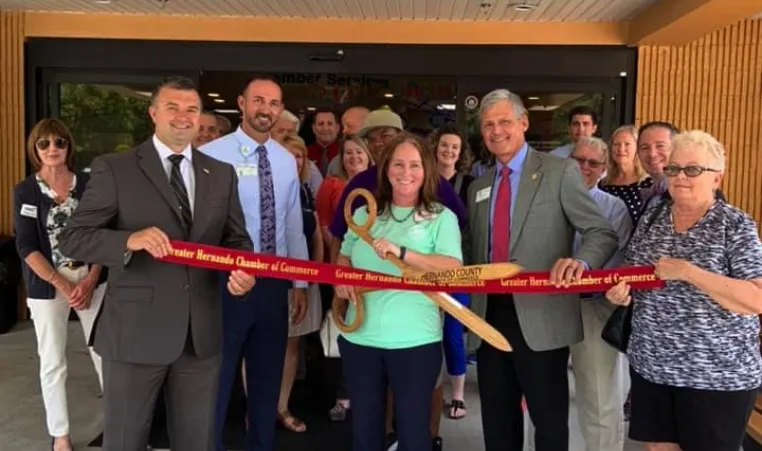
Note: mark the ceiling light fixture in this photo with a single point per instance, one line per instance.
(224, 111)
(213, 94)
(533, 98)
(522, 7)
(389, 95)
(219, 100)
(311, 108)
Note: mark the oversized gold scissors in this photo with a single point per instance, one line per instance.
(446, 302)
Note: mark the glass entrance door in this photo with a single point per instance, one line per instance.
(548, 104)
(106, 112)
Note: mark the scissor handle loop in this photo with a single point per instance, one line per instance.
(372, 209)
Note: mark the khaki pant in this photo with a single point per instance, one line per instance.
(600, 376)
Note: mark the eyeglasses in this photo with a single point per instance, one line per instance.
(60, 143)
(595, 164)
(690, 171)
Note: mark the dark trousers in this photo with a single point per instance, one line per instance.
(130, 392)
(256, 329)
(504, 377)
(410, 373)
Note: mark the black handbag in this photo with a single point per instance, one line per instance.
(617, 330)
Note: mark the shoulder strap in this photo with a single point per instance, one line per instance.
(458, 183)
(649, 221)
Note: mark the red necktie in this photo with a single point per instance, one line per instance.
(501, 218)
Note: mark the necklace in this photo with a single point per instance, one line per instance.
(391, 212)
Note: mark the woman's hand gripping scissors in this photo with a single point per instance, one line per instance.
(446, 302)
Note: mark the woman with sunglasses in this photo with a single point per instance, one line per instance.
(55, 283)
(694, 354)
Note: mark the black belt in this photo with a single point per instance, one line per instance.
(72, 265)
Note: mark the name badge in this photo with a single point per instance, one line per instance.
(246, 170)
(483, 194)
(30, 211)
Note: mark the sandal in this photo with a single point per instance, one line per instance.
(455, 406)
(338, 413)
(290, 422)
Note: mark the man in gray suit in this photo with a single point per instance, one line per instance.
(160, 325)
(526, 209)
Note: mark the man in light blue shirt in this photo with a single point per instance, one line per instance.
(599, 369)
(256, 327)
(583, 122)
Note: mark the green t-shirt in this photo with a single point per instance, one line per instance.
(398, 319)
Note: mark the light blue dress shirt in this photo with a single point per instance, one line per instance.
(563, 151)
(239, 150)
(615, 212)
(186, 168)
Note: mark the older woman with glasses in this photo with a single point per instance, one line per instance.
(694, 353)
(400, 340)
(55, 283)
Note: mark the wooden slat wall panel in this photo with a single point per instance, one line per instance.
(12, 155)
(713, 84)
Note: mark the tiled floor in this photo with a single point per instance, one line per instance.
(22, 421)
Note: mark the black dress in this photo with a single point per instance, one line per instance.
(630, 194)
(308, 216)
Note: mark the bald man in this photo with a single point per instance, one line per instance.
(351, 123)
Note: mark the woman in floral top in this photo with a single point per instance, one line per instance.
(55, 283)
(694, 351)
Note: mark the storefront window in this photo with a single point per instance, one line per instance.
(424, 103)
(548, 119)
(104, 118)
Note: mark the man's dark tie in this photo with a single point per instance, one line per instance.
(501, 218)
(266, 203)
(178, 187)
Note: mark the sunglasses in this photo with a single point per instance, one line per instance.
(44, 144)
(689, 171)
(595, 164)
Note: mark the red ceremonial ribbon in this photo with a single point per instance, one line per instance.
(223, 259)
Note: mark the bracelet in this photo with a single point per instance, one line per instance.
(403, 251)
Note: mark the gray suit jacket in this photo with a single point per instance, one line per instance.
(552, 202)
(148, 303)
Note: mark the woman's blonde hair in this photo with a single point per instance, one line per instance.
(362, 144)
(292, 141)
(612, 170)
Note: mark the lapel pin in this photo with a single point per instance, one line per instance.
(534, 176)
(206, 171)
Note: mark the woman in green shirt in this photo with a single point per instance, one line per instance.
(399, 343)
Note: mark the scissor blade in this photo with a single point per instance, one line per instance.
(470, 320)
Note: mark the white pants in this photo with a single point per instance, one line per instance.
(600, 379)
(51, 317)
